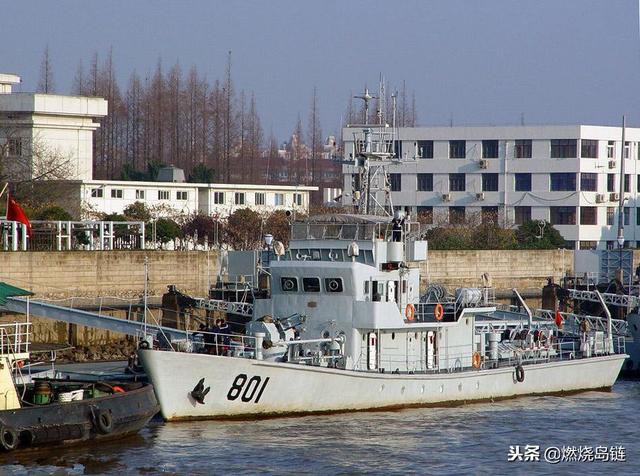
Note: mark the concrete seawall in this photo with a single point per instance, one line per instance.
(60, 275)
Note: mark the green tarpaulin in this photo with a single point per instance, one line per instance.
(6, 290)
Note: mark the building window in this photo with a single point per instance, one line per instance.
(489, 182)
(522, 149)
(117, 193)
(395, 181)
(489, 214)
(457, 149)
(563, 148)
(563, 215)
(239, 198)
(627, 215)
(637, 216)
(563, 182)
(589, 182)
(278, 199)
(218, 198)
(489, 149)
(425, 215)
(588, 215)
(259, 198)
(397, 148)
(627, 149)
(588, 245)
(627, 183)
(425, 149)
(457, 183)
(163, 194)
(456, 215)
(98, 192)
(182, 195)
(139, 194)
(589, 149)
(523, 182)
(297, 199)
(425, 182)
(611, 183)
(611, 216)
(14, 147)
(611, 149)
(522, 214)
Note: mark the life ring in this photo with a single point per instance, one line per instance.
(438, 312)
(410, 312)
(8, 438)
(118, 389)
(104, 422)
(476, 360)
(519, 373)
(143, 345)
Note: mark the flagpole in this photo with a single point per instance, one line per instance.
(6, 212)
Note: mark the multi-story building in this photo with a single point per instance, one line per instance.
(169, 198)
(47, 135)
(566, 175)
(56, 131)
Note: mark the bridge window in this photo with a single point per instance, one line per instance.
(333, 285)
(289, 285)
(311, 285)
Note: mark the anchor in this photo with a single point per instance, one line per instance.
(199, 392)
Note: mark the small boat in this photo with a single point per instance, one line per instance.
(48, 411)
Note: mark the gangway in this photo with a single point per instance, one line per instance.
(611, 299)
(85, 318)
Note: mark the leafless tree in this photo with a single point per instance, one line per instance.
(45, 83)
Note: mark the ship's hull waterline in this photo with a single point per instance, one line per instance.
(250, 388)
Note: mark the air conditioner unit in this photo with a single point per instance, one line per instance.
(600, 198)
(480, 196)
(612, 164)
(614, 197)
(446, 197)
(483, 163)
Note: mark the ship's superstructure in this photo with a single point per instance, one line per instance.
(345, 326)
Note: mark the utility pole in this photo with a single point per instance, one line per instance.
(621, 205)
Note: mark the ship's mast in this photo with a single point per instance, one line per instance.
(374, 151)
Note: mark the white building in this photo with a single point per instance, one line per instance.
(169, 198)
(38, 129)
(567, 175)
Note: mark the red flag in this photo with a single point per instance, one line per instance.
(16, 213)
(558, 319)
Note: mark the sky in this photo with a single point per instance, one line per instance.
(470, 62)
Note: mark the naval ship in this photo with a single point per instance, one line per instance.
(345, 326)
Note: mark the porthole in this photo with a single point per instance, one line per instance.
(381, 388)
(289, 285)
(478, 384)
(402, 390)
(422, 389)
(441, 388)
(393, 335)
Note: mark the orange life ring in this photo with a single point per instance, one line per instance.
(438, 312)
(117, 389)
(410, 312)
(476, 360)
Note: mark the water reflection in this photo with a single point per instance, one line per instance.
(472, 439)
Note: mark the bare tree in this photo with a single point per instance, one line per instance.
(45, 83)
(315, 134)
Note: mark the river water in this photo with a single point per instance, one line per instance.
(472, 439)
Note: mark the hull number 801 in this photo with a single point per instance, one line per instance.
(248, 389)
